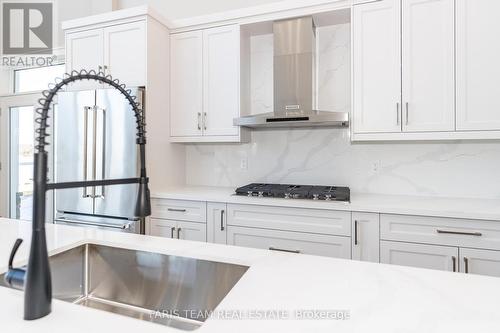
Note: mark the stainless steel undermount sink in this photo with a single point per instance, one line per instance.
(168, 290)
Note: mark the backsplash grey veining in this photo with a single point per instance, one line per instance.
(326, 156)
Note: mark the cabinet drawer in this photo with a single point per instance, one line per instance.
(442, 231)
(194, 211)
(292, 219)
(286, 241)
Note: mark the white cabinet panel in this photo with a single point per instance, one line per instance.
(186, 84)
(178, 229)
(478, 68)
(125, 52)
(428, 52)
(365, 237)
(85, 50)
(441, 231)
(221, 80)
(484, 262)
(216, 222)
(443, 258)
(162, 228)
(194, 211)
(294, 242)
(377, 67)
(292, 219)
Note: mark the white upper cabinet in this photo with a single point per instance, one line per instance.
(377, 67)
(205, 85)
(428, 65)
(125, 52)
(221, 81)
(119, 50)
(478, 66)
(84, 50)
(186, 84)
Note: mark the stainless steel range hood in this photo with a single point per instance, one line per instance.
(294, 81)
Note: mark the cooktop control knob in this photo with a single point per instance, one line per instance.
(261, 194)
(328, 197)
(287, 195)
(315, 196)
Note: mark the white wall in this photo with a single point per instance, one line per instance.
(175, 9)
(326, 156)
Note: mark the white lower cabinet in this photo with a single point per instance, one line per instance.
(484, 262)
(443, 258)
(217, 222)
(366, 236)
(293, 242)
(178, 229)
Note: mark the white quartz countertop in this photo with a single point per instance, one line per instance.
(468, 208)
(378, 298)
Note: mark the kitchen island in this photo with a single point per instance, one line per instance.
(308, 293)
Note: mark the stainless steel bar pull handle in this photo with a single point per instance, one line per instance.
(205, 121)
(172, 230)
(176, 210)
(454, 263)
(199, 121)
(272, 248)
(397, 113)
(466, 262)
(85, 147)
(407, 113)
(355, 232)
(464, 233)
(222, 220)
(178, 233)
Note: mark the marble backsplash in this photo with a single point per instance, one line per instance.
(326, 156)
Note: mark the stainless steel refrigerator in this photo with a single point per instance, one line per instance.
(95, 138)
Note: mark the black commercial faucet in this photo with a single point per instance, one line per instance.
(35, 278)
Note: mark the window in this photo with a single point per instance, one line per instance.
(36, 79)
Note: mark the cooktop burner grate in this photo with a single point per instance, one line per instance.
(290, 191)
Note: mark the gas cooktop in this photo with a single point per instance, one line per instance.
(327, 193)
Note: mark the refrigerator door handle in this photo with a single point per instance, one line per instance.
(94, 150)
(85, 148)
(100, 190)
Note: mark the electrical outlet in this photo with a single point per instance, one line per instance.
(244, 163)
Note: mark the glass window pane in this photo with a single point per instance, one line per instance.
(21, 159)
(35, 79)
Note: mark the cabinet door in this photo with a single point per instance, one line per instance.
(221, 89)
(377, 67)
(292, 242)
(191, 231)
(216, 222)
(365, 236)
(443, 258)
(178, 229)
(125, 53)
(84, 50)
(484, 262)
(186, 84)
(162, 228)
(428, 65)
(478, 68)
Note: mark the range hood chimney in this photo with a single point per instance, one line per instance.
(294, 81)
